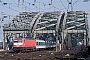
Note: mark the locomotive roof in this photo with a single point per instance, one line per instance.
(26, 38)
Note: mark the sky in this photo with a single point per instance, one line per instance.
(14, 7)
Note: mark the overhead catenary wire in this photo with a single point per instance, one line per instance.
(68, 4)
(75, 2)
(25, 7)
(9, 15)
(30, 7)
(58, 8)
(44, 4)
(63, 5)
(15, 5)
(8, 7)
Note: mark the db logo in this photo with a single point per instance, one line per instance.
(17, 45)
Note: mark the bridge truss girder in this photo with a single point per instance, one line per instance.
(49, 26)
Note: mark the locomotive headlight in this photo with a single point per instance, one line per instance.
(17, 44)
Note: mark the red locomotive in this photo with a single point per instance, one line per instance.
(23, 43)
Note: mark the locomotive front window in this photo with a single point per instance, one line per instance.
(17, 41)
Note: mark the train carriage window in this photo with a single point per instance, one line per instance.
(37, 43)
(41, 43)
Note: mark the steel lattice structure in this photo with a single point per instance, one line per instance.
(67, 29)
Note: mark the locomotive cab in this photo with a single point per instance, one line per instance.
(23, 44)
(17, 43)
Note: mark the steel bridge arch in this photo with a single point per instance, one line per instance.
(39, 25)
(56, 26)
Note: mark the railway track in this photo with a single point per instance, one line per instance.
(44, 55)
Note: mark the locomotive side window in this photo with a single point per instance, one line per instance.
(17, 41)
